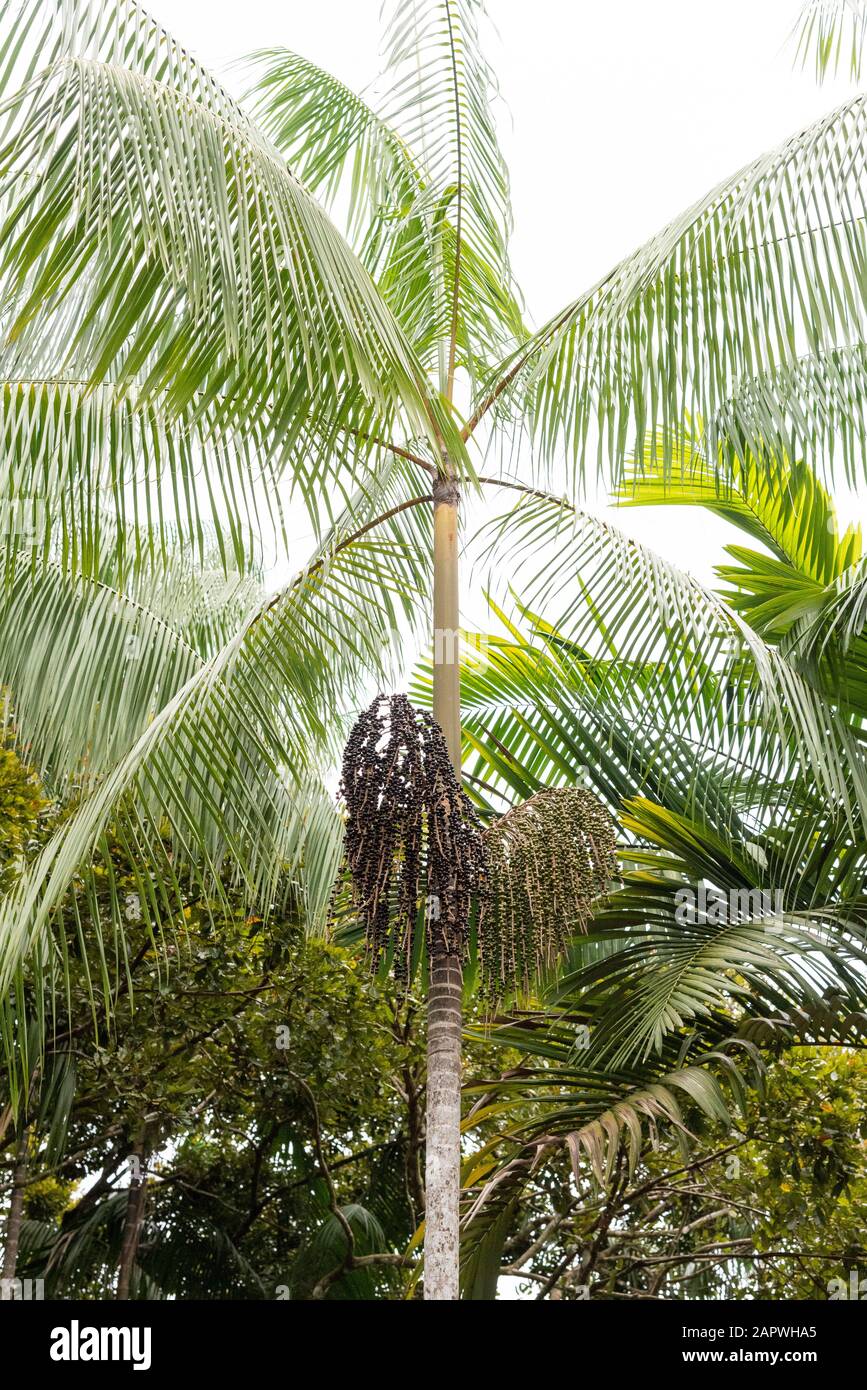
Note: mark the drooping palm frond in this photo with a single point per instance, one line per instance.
(659, 656)
(108, 653)
(729, 801)
(533, 719)
(557, 1103)
(766, 269)
(589, 1108)
(336, 141)
(427, 187)
(326, 1249)
(108, 663)
(93, 474)
(749, 952)
(189, 1254)
(183, 1251)
(799, 938)
(809, 406)
(203, 603)
(780, 503)
(85, 1250)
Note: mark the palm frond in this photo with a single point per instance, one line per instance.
(427, 187)
(441, 103)
(765, 270)
(107, 652)
(807, 596)
(780, 503)
(832, 34)
(667, 977)
(662, 660)
(553, 1103)
(334, 140)
(107, 662)
(223, 784)
(90, 473)
(811, 406)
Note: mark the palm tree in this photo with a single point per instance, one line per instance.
(184, 330)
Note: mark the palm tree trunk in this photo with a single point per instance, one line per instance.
(443, 1138)
(16, 1211)
(135, 1202)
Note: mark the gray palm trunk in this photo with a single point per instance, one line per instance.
(15, 1215)
(443, 1130)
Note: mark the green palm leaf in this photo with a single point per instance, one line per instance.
(89, 472)
(427, 187)
(224, 776)
(781, 504)
(832, 32)
(176, 249)
(659, 657)
(765, 269)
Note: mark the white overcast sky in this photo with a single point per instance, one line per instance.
(619, 115)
